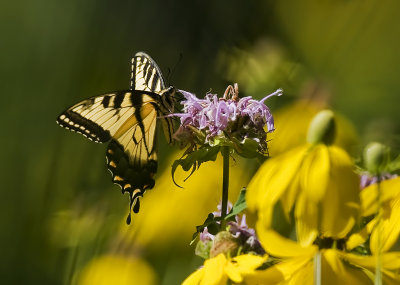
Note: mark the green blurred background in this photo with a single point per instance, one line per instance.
(58, 207)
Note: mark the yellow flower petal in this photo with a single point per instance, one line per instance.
(242, 265)
(389, 190)
(271, 275)
(389, 229)
(277, 245)
(391, 278)
(307, 218)
(315, 173)
(304, 274)
(340, 205)
(214, 271)
(390, 260)
(233, 273)
(194, 278)
(272, 181)
(289, 169)
(357, 239)
(334, 271)
(257, 183)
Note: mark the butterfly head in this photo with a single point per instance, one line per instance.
(168, 99)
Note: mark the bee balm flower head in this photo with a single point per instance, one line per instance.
(230, 120)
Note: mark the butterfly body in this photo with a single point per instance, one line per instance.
(128, 119)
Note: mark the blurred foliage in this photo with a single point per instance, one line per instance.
(59, 211)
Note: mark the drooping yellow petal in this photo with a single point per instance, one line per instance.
(389, 229)
(390, 260)
(257, 184)
(390, 278)
(194, 278)
(271, 275)
(315, 173)
(369, 201)
(357, 239)
(334, 271)
(233, 272)
(243, 265)
(307, 220)
(340, 205)
(304, 275)
(273, 179)
(214, 271)
(277, 245)
(291, 167)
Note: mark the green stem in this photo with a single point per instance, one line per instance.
(317, 269)
(225, 184)
(378, 265)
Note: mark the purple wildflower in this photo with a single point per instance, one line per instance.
(238, 230)
(206, 236)
(225, 118)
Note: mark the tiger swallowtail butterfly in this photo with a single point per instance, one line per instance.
(127, 120)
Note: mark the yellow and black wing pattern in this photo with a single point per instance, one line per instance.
(128, 119)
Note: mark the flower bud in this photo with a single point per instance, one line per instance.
(376, 155)
(224, 243)
(322, 128)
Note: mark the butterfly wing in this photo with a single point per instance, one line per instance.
(145, 74)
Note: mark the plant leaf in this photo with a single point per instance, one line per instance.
(212, 225)
(239, 206)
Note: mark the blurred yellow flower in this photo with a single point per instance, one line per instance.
(300, 263)
(389, 230)
(390, 265)
(292, 123)
(217, 270)
(318, 182)
(118, 270)
(169, 214)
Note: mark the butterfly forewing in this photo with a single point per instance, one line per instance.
(146, 75)
(128, 119)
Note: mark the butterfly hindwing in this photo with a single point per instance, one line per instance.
(132, 179)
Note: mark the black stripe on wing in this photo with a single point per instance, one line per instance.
(77, 123)
(146, 75)
(133, 179)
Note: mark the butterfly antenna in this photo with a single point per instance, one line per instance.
(171, 72)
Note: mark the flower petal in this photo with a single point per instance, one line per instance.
(389, 190)
(277, 245)
(340, 206)
(307, 218)
(243, 265)
(389, 231)
(390, 260)
(194, 278)
(357, 239)
(334, 271)
(315, 173)
(271, 275)
(214, 273)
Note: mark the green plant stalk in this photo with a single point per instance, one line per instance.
(225, 184)
(317, 269)
(378, 265)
